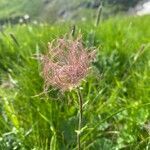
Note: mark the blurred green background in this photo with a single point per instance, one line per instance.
(116, 93)
(61, 10)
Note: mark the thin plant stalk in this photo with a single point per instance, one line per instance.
(98, 15)
(80, 101)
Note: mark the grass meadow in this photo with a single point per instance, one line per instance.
(116, 92)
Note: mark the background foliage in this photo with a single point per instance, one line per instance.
(60, 10)
(116, 93)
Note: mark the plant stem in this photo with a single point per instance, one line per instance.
(98, 15)
(80, 101)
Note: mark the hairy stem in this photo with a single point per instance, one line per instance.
(80, 101)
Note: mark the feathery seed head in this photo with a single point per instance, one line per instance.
(66, 63)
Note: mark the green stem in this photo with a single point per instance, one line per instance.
(80, 101)
(98, 15)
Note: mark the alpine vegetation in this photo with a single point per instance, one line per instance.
(64, 66)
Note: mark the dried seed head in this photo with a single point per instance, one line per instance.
(66, 63)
